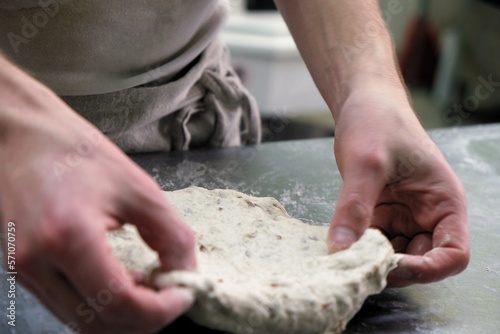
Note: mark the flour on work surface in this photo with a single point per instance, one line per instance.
(261, 271)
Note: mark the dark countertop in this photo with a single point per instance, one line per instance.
(303, 176)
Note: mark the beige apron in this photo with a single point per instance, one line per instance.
(207, 106)
(189, 96)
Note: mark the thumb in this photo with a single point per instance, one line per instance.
(354, 210)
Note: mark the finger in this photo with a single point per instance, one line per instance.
(399, 243)
(398, 225)
(433, 266)
(353, 213)
(105, 285)
(161, 226)
(420, 244)
(449, 255)
(78, 315)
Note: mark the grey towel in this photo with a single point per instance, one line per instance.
(206, 107)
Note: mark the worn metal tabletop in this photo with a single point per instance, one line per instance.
(303, 176)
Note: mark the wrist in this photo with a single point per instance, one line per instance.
(370, 84)
(374, 102)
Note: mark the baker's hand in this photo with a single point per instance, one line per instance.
(64, 185)
(397, 180)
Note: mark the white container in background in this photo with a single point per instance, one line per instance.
(264, 53)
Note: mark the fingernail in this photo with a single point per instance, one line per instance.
(404, 273)
(341, 238)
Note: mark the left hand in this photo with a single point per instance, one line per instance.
(397, 180)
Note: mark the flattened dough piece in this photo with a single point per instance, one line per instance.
(261, 271)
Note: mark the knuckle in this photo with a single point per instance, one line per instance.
(355, 208)
(370, 155)
(372, 159)
(25, 257)
(51, 239)
(56, 230)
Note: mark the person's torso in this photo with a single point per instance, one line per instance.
(91, 47)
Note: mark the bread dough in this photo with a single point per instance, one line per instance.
(261, 271)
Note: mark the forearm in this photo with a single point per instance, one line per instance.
(345, 45)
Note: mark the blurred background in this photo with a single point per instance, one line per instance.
(449, 54)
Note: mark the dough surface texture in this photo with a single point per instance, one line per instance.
(261, 271)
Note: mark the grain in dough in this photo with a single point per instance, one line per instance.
(261, 271)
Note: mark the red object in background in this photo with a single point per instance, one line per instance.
(420, 54)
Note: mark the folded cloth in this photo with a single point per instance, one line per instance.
(207, 106)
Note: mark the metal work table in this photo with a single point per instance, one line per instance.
(304, 177)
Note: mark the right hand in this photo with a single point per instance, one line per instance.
(398, 181)
(64, 185)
